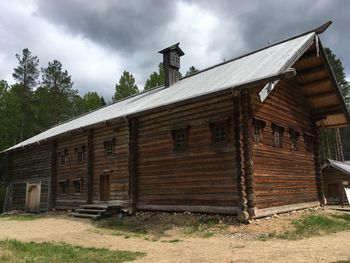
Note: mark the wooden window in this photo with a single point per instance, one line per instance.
(180, 138)
(308, 140)
(63, 157)
(277, 135)
(80, 154)
(258, 129)
(63, 187)
(220, 132)
(109, 147)
(294, 139)
(77, 186)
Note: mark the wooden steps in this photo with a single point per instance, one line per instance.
(96, 211)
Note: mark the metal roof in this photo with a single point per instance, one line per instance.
(269, 61)
(341, 166)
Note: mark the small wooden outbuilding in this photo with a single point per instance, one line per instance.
(336, 177)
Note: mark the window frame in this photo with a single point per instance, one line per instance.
(277, 132)
(63, 156)
(80, 181)
(258, 130)
(309, 142)
(80, 150)
(294, 139)
(175, 133)
(107, 144)
(225, 124)
(60, 183)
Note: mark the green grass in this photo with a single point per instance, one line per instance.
(313, 225)
(26, 217)
(122, 227)
(13, 251)
(202, 227)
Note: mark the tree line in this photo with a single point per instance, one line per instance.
(45, 96)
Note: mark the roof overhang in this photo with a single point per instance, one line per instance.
(318, 85)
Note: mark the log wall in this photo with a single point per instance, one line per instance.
(283, 176)
(31, 165)
(71, 171)
(115, 165)
(203, 174)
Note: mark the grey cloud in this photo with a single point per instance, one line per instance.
(126, 26)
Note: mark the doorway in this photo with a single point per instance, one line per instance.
(104, 187)
(33, 197)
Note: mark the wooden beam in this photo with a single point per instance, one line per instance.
(321, 95)
(317, 160)
(247, 131)
(243, 214)
(230, 210)
(324, 82)
(133, 138)
(329, 110)
(53, 184)
(90, 165)
(310, 82)
(311, 70)
(283, 209)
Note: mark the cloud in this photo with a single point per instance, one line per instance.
(97, 40)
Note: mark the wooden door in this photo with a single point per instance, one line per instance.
(104, 187)
(33, 198)
(333, 191)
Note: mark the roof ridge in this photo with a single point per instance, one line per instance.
(317, 30)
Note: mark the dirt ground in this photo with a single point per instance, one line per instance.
(236, 243)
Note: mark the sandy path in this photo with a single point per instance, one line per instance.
(215, 249)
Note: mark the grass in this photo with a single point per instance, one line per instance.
(153, 226)
(25, 217)
(202, 227)
(13, 251)
(313, 225)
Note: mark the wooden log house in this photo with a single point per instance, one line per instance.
(237, 138)
(336, 177)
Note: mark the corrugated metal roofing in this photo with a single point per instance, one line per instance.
(247, 69)
(342, 166)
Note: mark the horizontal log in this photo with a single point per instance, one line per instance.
(283, 209)
(230, 210)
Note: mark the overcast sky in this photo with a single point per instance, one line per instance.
(97, 40)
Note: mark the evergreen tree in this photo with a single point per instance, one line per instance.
(27, 72)
(125, 87)
(156, 79)
(191, 71)
(90, 101)
(59, 96)
(339, 72)
(328, 139)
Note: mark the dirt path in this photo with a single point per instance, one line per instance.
(328, 248)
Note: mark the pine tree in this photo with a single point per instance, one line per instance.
(191, 71)
(156, 79)
(125, 87)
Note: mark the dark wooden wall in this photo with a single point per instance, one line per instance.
(71, 171)
(116, 165)
(332, 176)
(204, 174)
(283, 176)
(31, 165)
